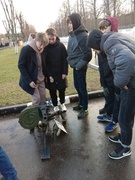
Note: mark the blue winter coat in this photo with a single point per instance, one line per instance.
(120, 51)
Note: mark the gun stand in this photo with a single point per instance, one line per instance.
(46, 150)
(57, 127)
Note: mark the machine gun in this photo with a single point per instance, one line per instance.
(35, 116)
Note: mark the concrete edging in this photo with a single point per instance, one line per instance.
(69, 99)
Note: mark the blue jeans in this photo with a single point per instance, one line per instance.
(6, 167)
(80, 86)
(116, 105)
(109, 101)
(126, 115)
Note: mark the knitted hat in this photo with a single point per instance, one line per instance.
(94, 39)
(76, 20)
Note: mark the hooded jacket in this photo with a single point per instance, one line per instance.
(120, 51)
(114, 23)
(79, 54)
(106, 75)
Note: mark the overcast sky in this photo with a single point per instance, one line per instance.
(36, 12)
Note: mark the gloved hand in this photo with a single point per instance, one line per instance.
(106, 91)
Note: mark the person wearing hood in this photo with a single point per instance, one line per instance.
(111, 93)
(120, 51)
(79, 55)
(30, 67)
(55, 68)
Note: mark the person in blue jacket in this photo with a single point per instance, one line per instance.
(120, 51)
(79, 55)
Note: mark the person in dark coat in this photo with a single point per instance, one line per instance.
(30, 66)
(111, 93)
(120, 51)
(79, 55)
(56, 69)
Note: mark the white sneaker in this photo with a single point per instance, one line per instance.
(56, 109)
(40, 123)
(63, 108)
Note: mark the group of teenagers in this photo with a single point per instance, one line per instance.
(43, 63)
(44, 60)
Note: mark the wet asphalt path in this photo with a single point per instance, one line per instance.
(82, 154)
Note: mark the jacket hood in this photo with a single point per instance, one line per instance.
(32, 44)
(114, 23)
(94, 39)
(76, 20)
(80, 29)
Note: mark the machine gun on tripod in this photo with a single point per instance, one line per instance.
(39, 117)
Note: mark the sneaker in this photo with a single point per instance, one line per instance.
(115, 139)
(104, 118)
(56, 109)
(120, 153)
(77, 108)
(82, 114)
(110, 127)
(102, 111)
(63, 108)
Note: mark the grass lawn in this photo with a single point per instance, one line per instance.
(11, 93)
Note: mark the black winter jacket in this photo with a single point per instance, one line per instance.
(106, 74)
(55, 64)
(28, 67)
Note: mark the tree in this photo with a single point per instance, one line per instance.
(10, 26)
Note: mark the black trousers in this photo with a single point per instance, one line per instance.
(55, 94)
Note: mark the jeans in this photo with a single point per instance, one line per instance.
(80, 86)
(126, 115)
(6, 167)
(109, 101)
(116, 105)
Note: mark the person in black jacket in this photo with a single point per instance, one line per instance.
(56, 69)
(30, 66)
(78, 58)
(111, 92)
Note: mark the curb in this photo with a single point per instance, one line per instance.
(69, 99)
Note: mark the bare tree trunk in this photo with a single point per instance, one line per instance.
(10, 17)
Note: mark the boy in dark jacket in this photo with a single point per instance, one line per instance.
(111, 93)
(30, 66)
(78, 58)
(120, 51)
(56, 69)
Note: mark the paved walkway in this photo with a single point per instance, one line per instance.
(79, 155)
